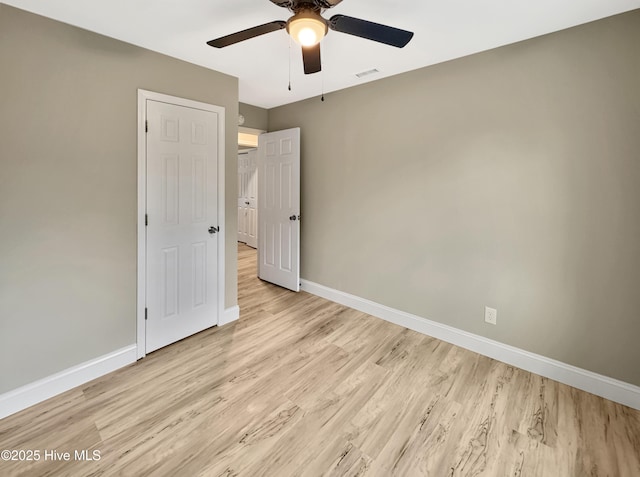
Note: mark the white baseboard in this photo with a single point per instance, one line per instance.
(43, 389)
(608, 388)
(38, 391)
(230, 314)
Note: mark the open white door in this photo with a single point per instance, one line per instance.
(279, 208)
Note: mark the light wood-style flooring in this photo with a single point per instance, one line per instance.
(301, 386)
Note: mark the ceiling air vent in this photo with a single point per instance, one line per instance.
(362, 74)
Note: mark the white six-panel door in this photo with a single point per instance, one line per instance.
(248, 198)
(183, 229)
(279, 208)
(242, 201)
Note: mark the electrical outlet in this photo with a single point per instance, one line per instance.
(490, 315)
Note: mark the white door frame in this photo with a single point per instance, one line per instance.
(143, 96)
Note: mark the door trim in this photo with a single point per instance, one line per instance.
(143, 96)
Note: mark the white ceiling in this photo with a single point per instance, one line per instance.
(444, 30)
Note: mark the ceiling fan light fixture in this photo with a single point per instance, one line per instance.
(307, 27)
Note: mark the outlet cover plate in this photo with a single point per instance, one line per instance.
(490, 315)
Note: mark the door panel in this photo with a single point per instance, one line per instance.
(279, 208)
(247, 198)
(242, 196)
(182, 268)
(252, 199)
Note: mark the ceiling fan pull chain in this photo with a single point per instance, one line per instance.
(322, 78)
(289, 63)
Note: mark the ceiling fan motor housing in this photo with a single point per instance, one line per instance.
(295, 5)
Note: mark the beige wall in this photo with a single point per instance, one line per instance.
(254, 116)
(509, 178)
(68, 105)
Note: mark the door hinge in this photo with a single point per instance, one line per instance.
(146, 313)
(146, 125)
(146, 219)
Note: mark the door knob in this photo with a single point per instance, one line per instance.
(247, 203)
(213, 230)
(293, 217)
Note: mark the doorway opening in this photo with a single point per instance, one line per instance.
(248, 186)
(180, 209)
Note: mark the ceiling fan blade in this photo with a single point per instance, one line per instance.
(247, 34)
(370, 30)
(311, 59)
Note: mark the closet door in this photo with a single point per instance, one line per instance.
(251, 199)
(242, 192)
(182, 239)
(248, 198)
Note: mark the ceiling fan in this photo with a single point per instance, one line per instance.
(307, 27)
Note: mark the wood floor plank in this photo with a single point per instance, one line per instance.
(301, 386)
